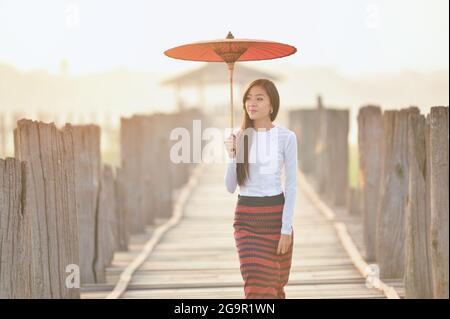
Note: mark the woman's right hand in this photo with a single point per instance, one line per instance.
(230, 144)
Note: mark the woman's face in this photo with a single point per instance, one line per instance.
(257, 103)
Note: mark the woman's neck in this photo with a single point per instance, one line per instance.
(262, 124)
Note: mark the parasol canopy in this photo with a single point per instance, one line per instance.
(231, 50)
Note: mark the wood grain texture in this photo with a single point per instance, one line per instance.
(123, 224)
(332, 156)
(107, 224)
(439, 200)
(15, 232)
(50, 200)
(393, 194)
(370, 129)
(87, 161)
(130, 165)
(162, 126)
(418, 281)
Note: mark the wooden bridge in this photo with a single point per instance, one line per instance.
(73, 227)
(197, 258)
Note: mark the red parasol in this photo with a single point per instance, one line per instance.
(231, 50)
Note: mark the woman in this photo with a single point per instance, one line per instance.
(263, 217)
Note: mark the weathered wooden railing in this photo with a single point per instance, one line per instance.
(63, 213)
(323, 149)
(403, 175)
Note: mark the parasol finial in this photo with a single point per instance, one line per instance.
(230, 35)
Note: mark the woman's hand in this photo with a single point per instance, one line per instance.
(230, 144)
(284, 244)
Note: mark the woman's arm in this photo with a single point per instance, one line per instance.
(290, 189)
(230, 175)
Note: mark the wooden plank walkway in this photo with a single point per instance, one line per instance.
(197, 258)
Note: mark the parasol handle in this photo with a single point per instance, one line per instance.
(230, 73)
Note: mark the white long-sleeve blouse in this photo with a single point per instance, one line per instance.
(271, 151)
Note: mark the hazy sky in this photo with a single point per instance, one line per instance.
(354, 36)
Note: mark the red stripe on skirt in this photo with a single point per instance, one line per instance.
(264, 272)
(259, 209)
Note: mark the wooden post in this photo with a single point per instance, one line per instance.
(51, 202)
(339, 157)
(322, 152)
(162, 161)
(304, 122)
(106, 234)
(130, 158)
(147, 167)
(307, 140)
(418, 281)
(439, 200)
(333, 156)
(174, 120)
(393, 194)
(123, 223)
(180, 171)
(355, 207)
(15, 232)
(87, 161)
(370, 131)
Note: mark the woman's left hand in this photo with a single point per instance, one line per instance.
(284, 243)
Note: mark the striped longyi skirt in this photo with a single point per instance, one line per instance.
(257, 231)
